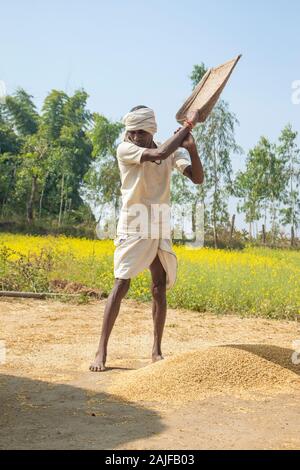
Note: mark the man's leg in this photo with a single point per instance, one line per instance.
(111, 311)
(159, 305)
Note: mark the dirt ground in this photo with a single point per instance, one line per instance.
(50, 400)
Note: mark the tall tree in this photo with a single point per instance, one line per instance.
(22, 115)
(33, 163)
(53, 115)
(65, 122)
(102, 181)
(251, 185)
(262, 185)
(22, 112)
(216, 144)
(289, 154)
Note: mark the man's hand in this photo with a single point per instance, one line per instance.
(188, 142)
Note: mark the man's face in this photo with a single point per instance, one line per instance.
(141, 138)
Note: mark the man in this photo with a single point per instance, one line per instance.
(145, 169)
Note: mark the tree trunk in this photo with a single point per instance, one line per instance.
(292, 235)
(99, 218)
(42, 196)
(31, 200)
(274, 224)
(194, 218)
(41, 202)
(215, 234)
(264, 234)
(9, 188)
(232, 228)
(215, 175)
(293, 207)
(61, 199)
(65, 207)
(3, 207)
(214, 221)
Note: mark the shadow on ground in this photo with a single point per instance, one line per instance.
(43, 415)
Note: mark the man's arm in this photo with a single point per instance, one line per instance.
(194, 171)
(172, 144)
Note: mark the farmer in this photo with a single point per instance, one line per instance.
(145, 168)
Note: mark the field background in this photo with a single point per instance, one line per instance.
(253, 281)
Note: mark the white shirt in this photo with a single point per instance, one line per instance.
(145, 184)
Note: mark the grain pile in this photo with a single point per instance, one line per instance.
(216, 370)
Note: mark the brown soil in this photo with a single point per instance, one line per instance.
(50, 400)
(64, 286)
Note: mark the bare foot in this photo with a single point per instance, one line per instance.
(98, 365)
(157, 357)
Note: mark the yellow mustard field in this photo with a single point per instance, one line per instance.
(254, 281)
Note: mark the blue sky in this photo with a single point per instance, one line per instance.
(132, 52)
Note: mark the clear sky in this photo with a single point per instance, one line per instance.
(133, 52)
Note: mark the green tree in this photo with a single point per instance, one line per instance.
(261, 185)
(54, 152)
(251, 185)
(183, 195)
(289, 154)
(22, 112)
(216, 144)
(33, 160)
(198, 72)
(102, 181)
(9, 161)
(65, 122)
(9, 142)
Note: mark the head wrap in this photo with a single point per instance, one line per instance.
(143, 118)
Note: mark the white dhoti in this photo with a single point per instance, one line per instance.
(133, 254)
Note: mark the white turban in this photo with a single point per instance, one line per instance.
(142, 118)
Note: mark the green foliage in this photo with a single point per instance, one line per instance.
(9, 141)
(216, 145)
(102, 181)
(49, 154)
(199, 70)
(22, 112)
(289, 154)
(270, 183)
(57, 165)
